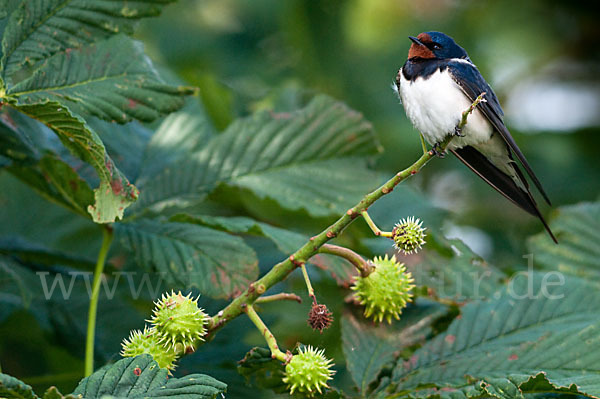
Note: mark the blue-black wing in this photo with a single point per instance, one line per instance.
(467, 76)
(500, 181)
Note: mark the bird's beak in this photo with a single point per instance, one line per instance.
(416, 41)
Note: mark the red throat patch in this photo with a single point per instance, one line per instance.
(419, 51)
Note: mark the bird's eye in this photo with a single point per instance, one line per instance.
(436, 46)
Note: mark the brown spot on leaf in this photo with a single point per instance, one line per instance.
(117, 186)
(137, 371)
(513, 357)
(450, 338)
(132, 103)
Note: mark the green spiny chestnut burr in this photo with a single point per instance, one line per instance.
(179, 321)
(308, 371)
(385, 291)
(146, 341)
(409, 235)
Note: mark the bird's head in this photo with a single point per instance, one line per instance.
(435, 45)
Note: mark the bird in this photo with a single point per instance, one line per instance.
(436, 84)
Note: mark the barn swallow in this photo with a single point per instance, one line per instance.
(436, 84)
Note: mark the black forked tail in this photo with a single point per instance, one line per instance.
(501, 182)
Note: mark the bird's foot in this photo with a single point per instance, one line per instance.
(458, 131)
(437, 151)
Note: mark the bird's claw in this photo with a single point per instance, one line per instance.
(437, 151)
(458, 131)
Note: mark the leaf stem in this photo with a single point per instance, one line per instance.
(107, 237)
(311, 291)
(282, 296)
(281, 270)
(266, 333)
(348, 254)
(374, 227)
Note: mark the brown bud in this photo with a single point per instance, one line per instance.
(319, 317)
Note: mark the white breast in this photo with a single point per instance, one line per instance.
(435, 106)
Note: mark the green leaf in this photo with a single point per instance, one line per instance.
(109, 205)
(40, 255)
(501, 388)
(41, 28)
(140, 377)
(322, 188)
(15, 144)
(15, 281)
(179, 135)
(115, 192)
(8, 6)
(261, 370)
(286, 241)
(125, 144)
(514, 386)
(56, 181)
(313, 159)
(450, 269)
(44, 171)
(540, 384)
(12, 388)
(218, 264)
(538, 324)
(369, 347)
(111, 79)
(578, 253)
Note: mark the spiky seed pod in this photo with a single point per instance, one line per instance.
(308, 371)
(319, 317)
(179, 321)
(409, 235)
(385, 291)
(147, 342)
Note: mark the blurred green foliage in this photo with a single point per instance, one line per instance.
(263, 54)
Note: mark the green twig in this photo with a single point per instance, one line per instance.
(107, 236)
(282, 296)
(348, 254)
(466, 113)
(374, 227)
(267, 335)
(281, 270)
